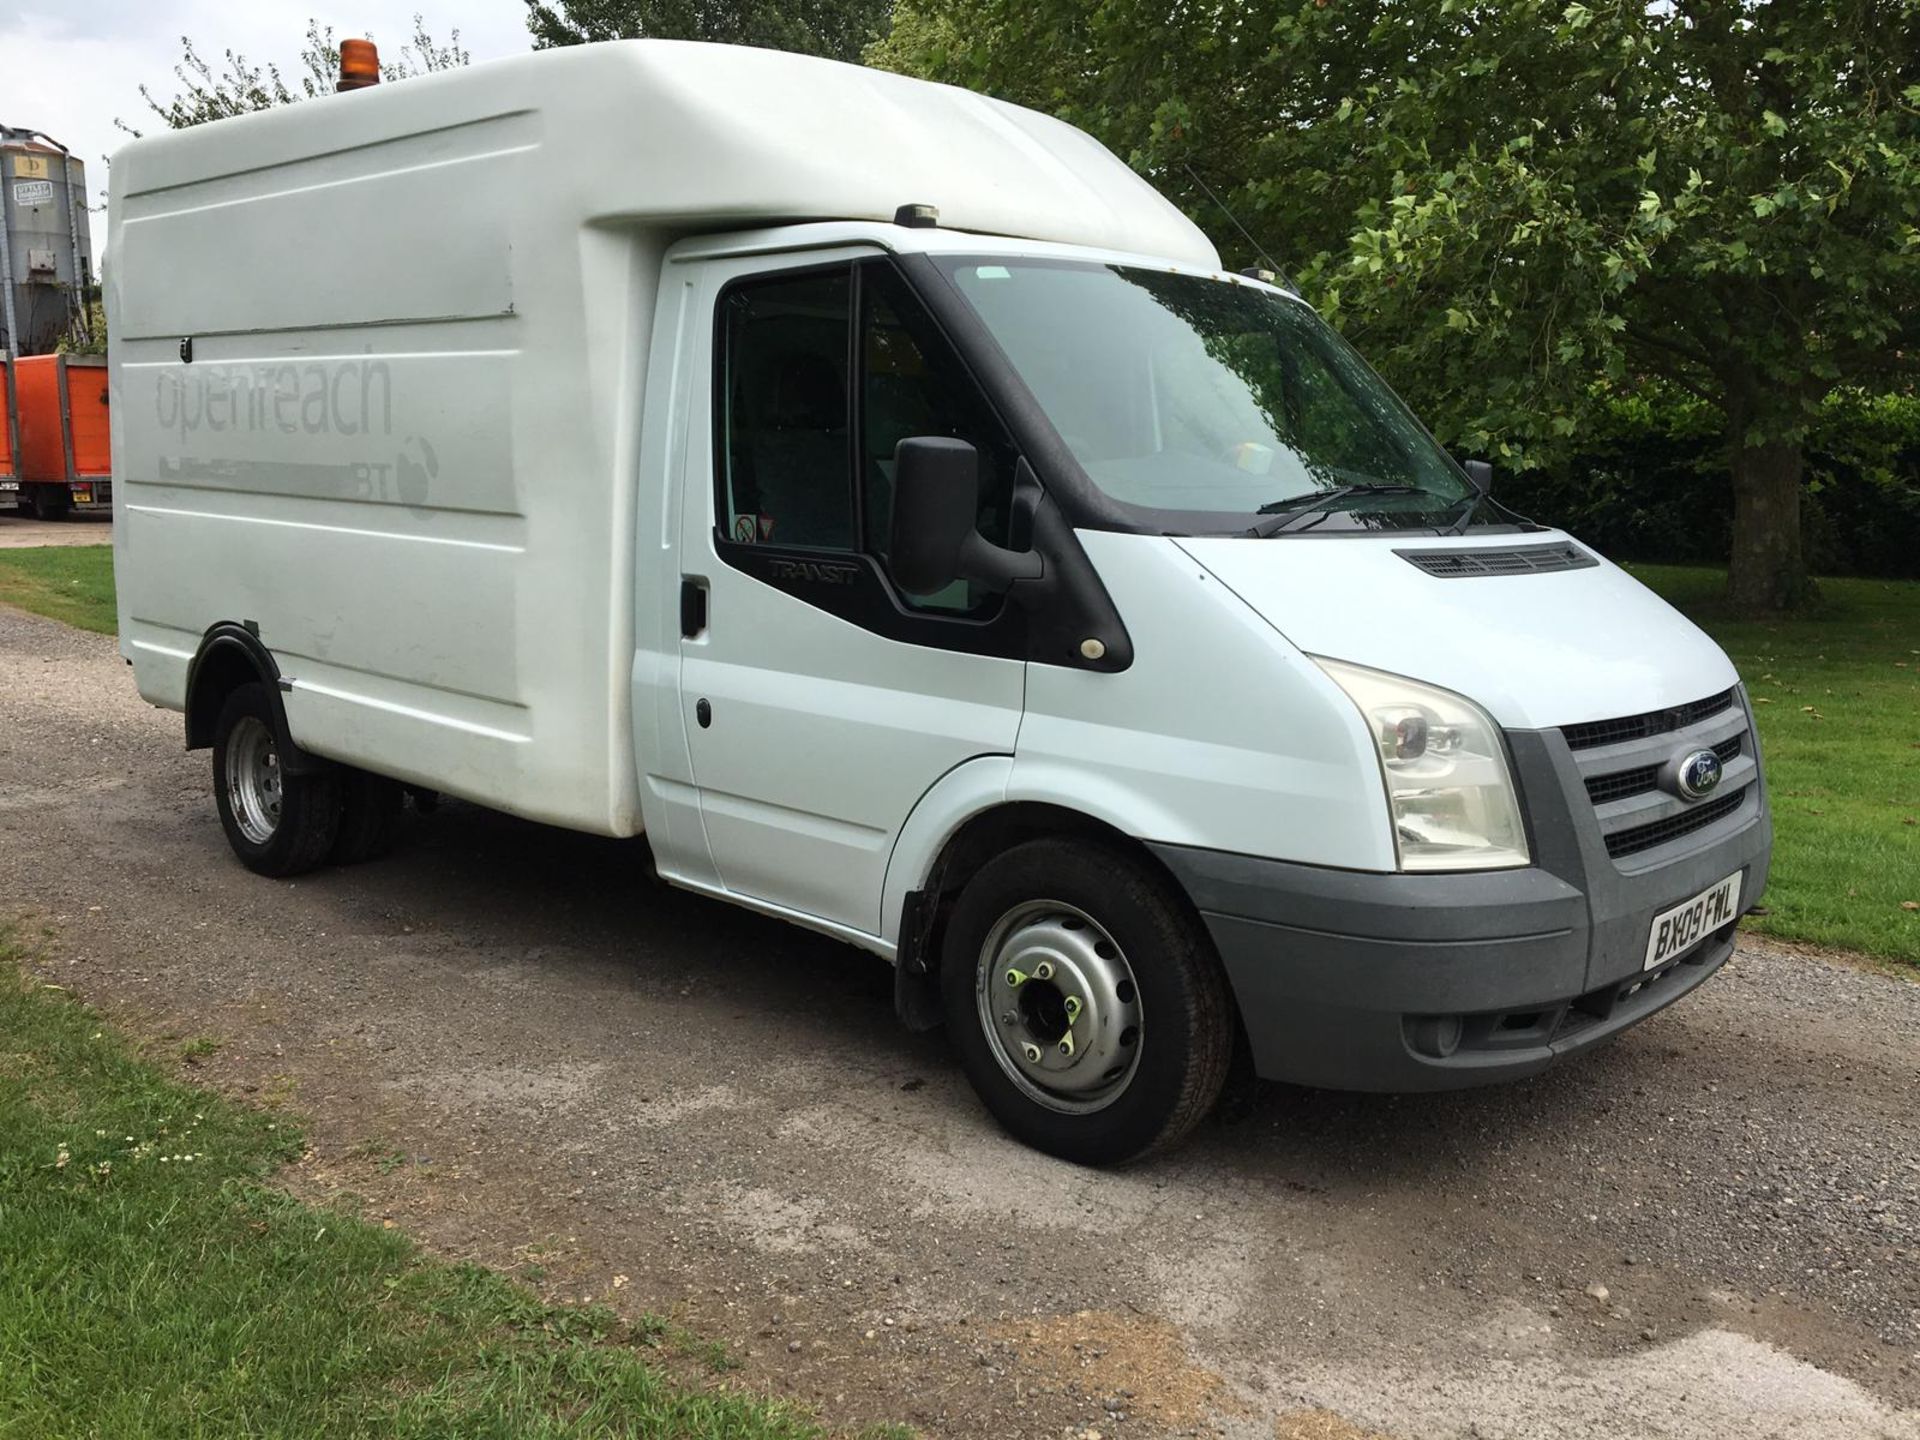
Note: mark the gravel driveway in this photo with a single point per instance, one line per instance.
(515, 1044)
(82, 527)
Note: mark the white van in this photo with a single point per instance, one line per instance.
(878, 495)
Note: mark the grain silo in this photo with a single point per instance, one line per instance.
(46, 252)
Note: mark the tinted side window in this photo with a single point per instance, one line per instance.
(912, 384)
(787, 457)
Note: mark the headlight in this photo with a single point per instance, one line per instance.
(1448, 788)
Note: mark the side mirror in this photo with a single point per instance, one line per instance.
(1480, 472)
(933, 542)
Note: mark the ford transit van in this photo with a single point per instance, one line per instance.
(879, 497)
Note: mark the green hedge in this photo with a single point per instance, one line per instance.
(1651, 484)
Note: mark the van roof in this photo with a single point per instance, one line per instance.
(695, 137)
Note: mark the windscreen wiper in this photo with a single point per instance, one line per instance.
(1474, 502)
(1290, 513)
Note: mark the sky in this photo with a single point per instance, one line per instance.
(69, 69)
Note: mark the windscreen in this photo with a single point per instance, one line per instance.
(1185, 393)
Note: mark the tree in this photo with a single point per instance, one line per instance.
(837, 29)
(1519, 209)
(240, 87)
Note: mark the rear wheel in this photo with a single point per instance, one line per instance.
(278, 823)
(49, 502)
(1086, 1002)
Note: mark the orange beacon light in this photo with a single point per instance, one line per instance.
(359, 65)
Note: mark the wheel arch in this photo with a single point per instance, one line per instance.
(985, 831)
(232, 655)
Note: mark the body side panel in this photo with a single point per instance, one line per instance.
(1220, 735)
(413, 477)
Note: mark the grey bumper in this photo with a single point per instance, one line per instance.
(1364, 981)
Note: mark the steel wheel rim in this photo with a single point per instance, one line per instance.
(253, 779)
(1059, 1006)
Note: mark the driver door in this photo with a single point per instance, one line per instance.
(819, 702)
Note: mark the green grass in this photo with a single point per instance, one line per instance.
(1837, 694)
(153, 1283)
(73, 583)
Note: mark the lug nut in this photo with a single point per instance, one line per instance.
(1043, 971)
(1031, 1051)
(1015, 979)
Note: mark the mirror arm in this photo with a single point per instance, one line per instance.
(995, 568)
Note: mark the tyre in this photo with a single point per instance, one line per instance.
(369, 817)
(50, 502)
(278, 824)
(1087, 1004)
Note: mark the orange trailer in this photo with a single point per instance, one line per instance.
(62, 439)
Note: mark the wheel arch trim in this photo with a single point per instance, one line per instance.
(952, 811)
(988, 783)
(231, 654)
(969, 789)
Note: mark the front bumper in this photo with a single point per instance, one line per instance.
(1405, 982)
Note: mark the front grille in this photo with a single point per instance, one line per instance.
(1644, 837)
(1639, 727)
(1623, 766)
(1623, 784)
(1519, 560)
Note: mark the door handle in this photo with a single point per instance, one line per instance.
(693, 606)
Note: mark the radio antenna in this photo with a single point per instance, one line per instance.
(1279, 274)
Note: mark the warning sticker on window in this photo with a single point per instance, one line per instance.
(750, 529)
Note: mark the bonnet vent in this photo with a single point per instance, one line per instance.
(1520, 560)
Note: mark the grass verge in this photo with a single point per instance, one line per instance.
(1837, 697)
(73, 583)
(153, 1283)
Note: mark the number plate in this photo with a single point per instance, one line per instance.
(1686, 923)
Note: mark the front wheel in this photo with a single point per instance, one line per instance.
(279, 824)
(1086, 1002)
